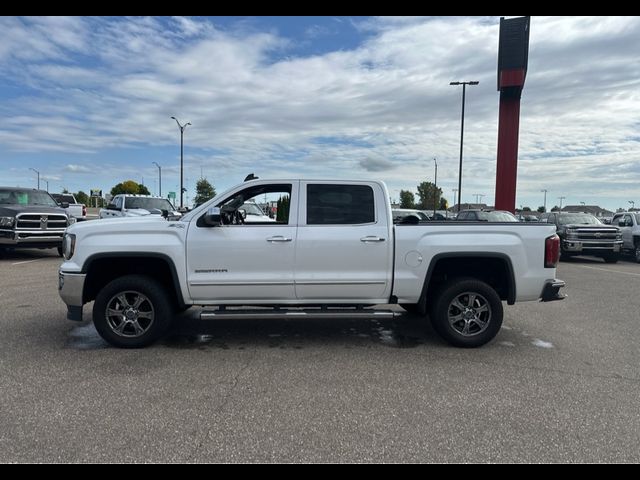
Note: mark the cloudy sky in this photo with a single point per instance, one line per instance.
(87, 102)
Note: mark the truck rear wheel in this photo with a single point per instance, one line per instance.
(132, 311)
(467, 312)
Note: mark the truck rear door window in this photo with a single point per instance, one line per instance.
(340, 204)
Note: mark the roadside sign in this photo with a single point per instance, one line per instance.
(96, 192)
(172, 195)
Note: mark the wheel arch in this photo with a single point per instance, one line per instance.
(102, 268)
(493, 268)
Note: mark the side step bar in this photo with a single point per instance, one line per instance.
(330, 313)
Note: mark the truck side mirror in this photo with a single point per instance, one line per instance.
(212, 217)
(64, 204)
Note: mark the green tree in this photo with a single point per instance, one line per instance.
(204, 191)
(444, 204)
(541, 209)
(429, 196)
(407, 199)
(555, 208)
(129, 186)
(526, 209)
(142, 190)
(82, 197)
(282, 215)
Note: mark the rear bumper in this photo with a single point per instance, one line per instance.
(551, 290)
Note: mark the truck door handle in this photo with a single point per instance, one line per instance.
(278, 239)
(372, 239)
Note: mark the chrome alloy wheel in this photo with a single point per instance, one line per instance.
(129, 314)
(469, 314)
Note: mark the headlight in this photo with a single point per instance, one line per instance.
(7, 222)
(572, 234)
(68, 245)
(72, 220)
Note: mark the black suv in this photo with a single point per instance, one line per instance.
(583, 234)
(30, 218)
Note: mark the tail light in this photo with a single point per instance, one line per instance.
(84, 210)
(551, 251)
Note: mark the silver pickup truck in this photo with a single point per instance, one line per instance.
(629, 225)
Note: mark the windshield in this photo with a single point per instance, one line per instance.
(59, 197)
(252, 209)
(26, 197)
(148, 203)
(578, 218)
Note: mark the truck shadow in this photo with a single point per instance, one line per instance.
(404, 331)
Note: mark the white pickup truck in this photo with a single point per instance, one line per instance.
(71, 206)
(333, 251)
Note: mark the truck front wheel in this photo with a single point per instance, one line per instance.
(132, 311)
(467, 312)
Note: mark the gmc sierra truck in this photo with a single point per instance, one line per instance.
(332, 252)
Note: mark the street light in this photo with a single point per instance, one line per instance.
(561, 198)
(159, 178)
(633, 204)
(464, 88)
(545, 198)
(182, 128)
(38, 176)
(435, 189)
(47, 181)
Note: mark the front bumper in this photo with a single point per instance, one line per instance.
(551, 290)
(70, 289)
(589, 245)
(30, 238)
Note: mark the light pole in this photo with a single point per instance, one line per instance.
(561, 198)
(478, 197)
(454, 190)
(464, 89)
(435, 189)
(47, 181)
(545, 199)
(38, 176)
(159, 178)
(182, 128)
(633, 204)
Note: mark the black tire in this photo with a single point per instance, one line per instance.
(60, 251)
(611, 258)
(146, 311)
(637, 252)
(477, 308)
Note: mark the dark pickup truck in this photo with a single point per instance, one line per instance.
(31, 218)
(583, 234)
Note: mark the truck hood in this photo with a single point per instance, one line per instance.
(13, 210)
(590, 226)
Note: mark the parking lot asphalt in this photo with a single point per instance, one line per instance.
(560, 383)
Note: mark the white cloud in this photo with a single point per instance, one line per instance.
(388, 100)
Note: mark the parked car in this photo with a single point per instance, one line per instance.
(31, 218)
(399, 214)
(74, 209)
(583, 234)
(333, 251)
(476, 215)
(252, 213)
(629, 225)
(126, 205)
